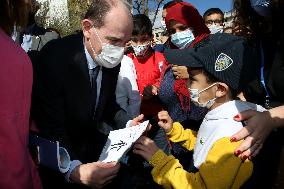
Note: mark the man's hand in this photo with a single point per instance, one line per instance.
(258, 127)
(96, 174)
(180, 72)
(145, 147)
(166, 121)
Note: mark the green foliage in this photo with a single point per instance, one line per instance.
(65, 24)
(77, 9)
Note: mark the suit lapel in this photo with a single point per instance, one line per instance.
(81, 63)
(80, 60)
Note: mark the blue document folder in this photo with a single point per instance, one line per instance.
(50, 154)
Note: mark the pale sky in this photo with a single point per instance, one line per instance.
(202, 6)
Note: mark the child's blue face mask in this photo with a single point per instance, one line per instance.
(182, 39)
(261, 7)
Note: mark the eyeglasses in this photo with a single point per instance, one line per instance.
(210, 22)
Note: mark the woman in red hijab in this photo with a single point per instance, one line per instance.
(185, 25)
(186, 29)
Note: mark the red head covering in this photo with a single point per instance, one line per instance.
(188, 15)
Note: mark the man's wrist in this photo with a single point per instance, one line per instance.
(73, 173)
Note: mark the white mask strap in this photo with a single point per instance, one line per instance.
(98, 35)
(207, 87)
(92, 48)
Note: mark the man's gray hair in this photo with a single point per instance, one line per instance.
(99, 9)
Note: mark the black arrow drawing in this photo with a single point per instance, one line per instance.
(118, 145)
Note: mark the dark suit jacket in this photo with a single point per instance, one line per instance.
(61, 105)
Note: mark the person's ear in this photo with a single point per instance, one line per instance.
(222, 89)
(86, 27)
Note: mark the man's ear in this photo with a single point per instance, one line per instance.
(86, 27)
(222, 89)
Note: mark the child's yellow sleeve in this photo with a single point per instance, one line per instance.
(185, 137)
(221, 169)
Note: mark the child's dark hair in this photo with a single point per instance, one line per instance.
(211, 79)
(141, 25)
(213, 11)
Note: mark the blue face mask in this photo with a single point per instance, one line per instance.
(261, 7)
(182, 39)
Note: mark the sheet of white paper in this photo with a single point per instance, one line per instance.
(120, 141)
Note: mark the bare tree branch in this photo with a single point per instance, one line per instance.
(157, 10)
(137, 5)
(142, 6)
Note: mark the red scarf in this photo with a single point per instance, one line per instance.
(186, 14)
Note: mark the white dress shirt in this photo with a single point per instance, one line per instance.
(127, 93)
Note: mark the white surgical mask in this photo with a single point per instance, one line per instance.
(195, 94)
(163, 24)
(262, 7)
(140, 50)
(110, 55)
(216, 29)
(182, 39)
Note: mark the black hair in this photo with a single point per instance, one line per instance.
(170, 3)
(211, 79)
(253, 26)
(248, 23)
(141, 25)
(213, 11)
(13, 13)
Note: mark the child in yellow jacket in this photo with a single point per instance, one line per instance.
(219, 70)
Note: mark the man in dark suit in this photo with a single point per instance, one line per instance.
(69, 101)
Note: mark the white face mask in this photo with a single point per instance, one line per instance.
(195, 94)
(216, 29)
(140, 50)
(110, 55)
(163, 24)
